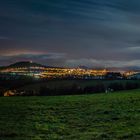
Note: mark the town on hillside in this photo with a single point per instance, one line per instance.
(38, 71)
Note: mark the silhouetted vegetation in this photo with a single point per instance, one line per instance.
(65, 87)
(98, 88)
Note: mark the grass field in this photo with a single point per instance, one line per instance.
(87, 117)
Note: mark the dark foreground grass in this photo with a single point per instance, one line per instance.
(88, 117)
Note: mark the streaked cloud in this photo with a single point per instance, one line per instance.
(95, 31)
(102, 63)
(134, 49)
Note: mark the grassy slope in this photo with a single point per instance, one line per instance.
(102, 116)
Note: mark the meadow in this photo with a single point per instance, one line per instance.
(81, 117)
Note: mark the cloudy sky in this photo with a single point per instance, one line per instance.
(70, 32)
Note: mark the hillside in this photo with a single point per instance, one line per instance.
(100, 116)
(25, 64)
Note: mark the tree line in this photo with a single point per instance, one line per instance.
(98, 88)
(75, 89)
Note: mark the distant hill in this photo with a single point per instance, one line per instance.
(25, 64)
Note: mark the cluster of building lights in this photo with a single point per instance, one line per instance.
(42, 72)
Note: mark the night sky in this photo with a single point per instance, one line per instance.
(92, 33)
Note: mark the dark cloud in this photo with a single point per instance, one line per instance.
(101, 30)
